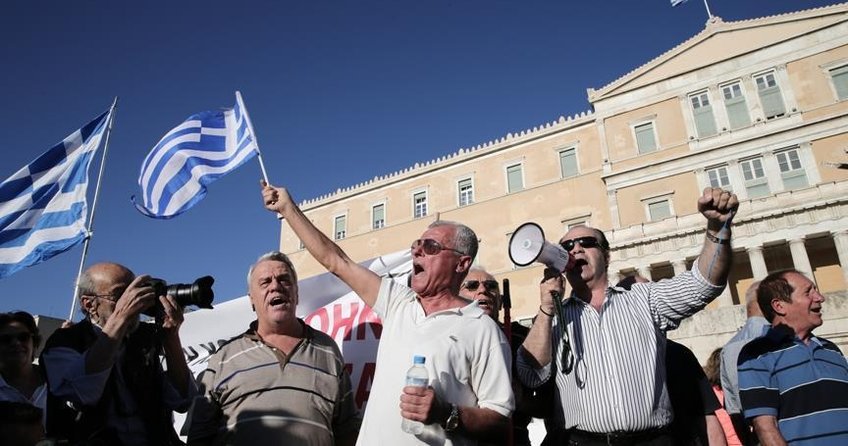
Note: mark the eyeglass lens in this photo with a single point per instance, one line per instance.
(586, 242)
(489, 285)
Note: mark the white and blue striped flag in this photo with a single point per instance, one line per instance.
(207, 146)
(43, 207)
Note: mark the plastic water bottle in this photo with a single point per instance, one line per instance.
(416, 376)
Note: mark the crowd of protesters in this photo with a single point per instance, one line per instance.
(595, 365)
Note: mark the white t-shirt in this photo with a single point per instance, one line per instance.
(468, 361)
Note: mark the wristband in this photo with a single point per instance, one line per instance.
(720, 241)
(545, 312)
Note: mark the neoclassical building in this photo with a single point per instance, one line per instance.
(757, 106)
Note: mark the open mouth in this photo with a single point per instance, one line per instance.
(484, 303)
(416, 268)
(816, 310)
(277, 301)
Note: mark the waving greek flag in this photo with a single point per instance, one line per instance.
(207, 146)
(43, 206)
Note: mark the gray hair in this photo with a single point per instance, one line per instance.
(275, 256)
(464, 239)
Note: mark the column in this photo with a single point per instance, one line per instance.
(679, 266)
(758, 263)
(645, 271)
(840, 240)
(613, 277)
(800, 258)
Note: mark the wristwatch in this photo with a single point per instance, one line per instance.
(452, 423)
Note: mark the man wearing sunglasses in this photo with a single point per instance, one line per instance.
(105, 378)
(467, 355)
(605, 351)
(480, 286)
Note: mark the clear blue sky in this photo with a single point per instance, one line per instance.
(338, 91)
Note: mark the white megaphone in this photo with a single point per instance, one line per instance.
(528, 245)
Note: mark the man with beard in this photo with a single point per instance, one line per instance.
(606, 350)
(280, 380)
(105, 379)
(469, 396)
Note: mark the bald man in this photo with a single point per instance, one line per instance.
(106, 381)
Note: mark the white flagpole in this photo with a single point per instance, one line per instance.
(93, 208)
(709, 14)
(255, 141)
(252, 134)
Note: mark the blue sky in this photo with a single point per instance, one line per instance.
(338, 91)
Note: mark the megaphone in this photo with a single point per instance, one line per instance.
(528, 245)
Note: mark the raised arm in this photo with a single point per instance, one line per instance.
(718, 206)
(361, 280)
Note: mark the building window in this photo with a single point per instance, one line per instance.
(568, 162)
(718, 178)
(756, 183)
(839, 77)
(659, 209)
(465, 189)
(702, 109)
(340, 227)
(514, 178)
(646, 141)
(378, 216)
(791, 171)
(419, 202)
(736, 106)
(770, 96)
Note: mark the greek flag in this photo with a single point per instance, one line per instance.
(207, 146)
(42, 206)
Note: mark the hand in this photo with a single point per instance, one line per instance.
(718, 206)
(275, 199)
(421, 404)
(173, 317)
(138, 296)
(551, 288)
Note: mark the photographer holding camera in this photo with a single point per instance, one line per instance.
(106, 381)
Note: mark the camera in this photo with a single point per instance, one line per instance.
(199, 294)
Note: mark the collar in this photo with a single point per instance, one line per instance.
(252, 334)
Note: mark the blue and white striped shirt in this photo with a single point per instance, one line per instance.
(615, 378)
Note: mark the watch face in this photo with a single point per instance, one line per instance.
(453, 420)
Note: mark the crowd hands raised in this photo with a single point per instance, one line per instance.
(595, 365)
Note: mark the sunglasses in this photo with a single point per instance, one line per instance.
(431, 247)
(473, 285)
(21, 337)
(586, 242)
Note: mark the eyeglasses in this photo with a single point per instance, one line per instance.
(21, 337)
(473, 285)
(586, 242)
(109, 297)
(431, 247)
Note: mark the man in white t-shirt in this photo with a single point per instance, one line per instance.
(470, 396)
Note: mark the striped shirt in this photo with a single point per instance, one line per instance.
(804, 386)
(612, 378)
(253, 394)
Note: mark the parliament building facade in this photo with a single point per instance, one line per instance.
(756, 106)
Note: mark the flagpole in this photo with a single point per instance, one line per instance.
(709, 14)
(253, 134)
(93, 207)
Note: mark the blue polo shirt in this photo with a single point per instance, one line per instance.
(805, 386)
